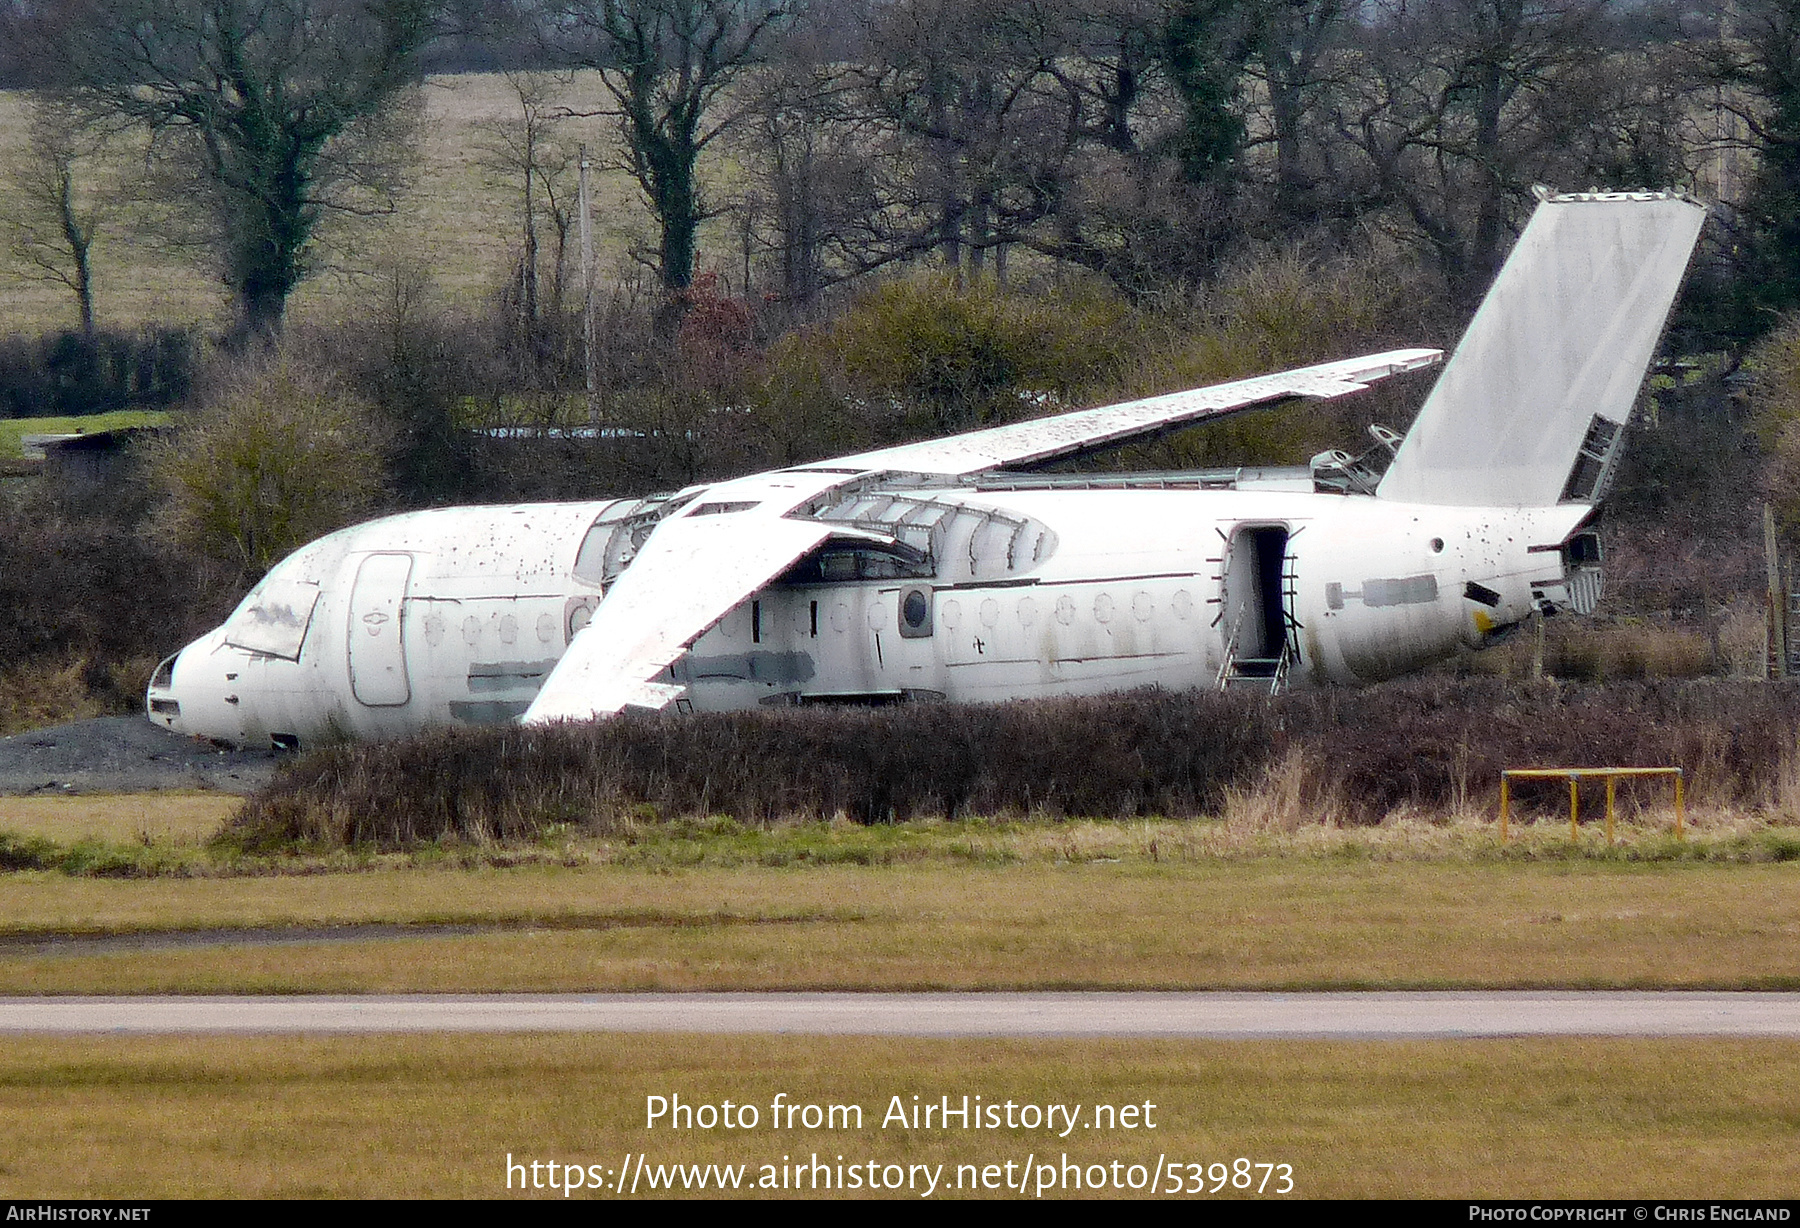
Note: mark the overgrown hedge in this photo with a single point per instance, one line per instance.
(1431, 743)
(1441, 742)
(72, 374)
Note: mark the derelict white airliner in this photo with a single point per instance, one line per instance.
(950, 570)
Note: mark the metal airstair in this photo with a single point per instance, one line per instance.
(1236, 672)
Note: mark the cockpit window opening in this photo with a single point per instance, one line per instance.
(274, 618)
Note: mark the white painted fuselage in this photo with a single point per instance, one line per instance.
(451, 617)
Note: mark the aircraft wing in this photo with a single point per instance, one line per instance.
(1083, 430)
(691, 572)
(712, 556)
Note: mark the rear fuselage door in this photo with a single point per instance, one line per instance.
(1255, 591)
(377, 645)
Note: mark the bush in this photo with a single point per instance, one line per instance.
(1432, 744)
(923, 355)
(275, 456)
(1114, 755)
(86, 597)
(72, 374)
(1774, 368)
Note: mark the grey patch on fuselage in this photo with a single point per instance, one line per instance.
(487, 676)
(488, 711)
(1410, 590)
(779, 668)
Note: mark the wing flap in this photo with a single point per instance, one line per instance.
(691, 572)
(1082, 430)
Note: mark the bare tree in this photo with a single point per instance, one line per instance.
(1060, 128)
(525, 148)
(670, 66)
(276, 103)
(961, 106)
(65, 194)
(1296, 52)
(787, 209)
(1457, 111)
(1752, 60)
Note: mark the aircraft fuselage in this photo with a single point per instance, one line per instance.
(1017, 589)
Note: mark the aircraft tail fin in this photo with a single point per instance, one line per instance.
(1531, 408)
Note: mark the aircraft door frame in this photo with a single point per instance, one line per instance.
(375, 637)
(1270, 574)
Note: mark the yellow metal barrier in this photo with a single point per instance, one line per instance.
(1575, 776)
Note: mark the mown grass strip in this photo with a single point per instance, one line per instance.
(1252, 923)
(118, 817)
(438, 1115)
(12, 430)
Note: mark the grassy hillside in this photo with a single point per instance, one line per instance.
(457, 222)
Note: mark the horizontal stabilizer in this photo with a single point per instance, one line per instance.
(1530, 409)
(1083, 430)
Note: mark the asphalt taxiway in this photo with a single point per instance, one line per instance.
(1224, 1016)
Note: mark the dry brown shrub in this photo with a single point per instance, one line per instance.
(1428, 748)
(41, 693)
(1113, 756)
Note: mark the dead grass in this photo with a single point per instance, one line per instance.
(1346, 916)
(55, 691)
(436, 1116)
(186, 818)
(41, 693)
(1624, 650)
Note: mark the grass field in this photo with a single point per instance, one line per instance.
(12, 430)
(1070, 905)
(125, 817)
(438, 1116)
(969, 906)
(456, 223)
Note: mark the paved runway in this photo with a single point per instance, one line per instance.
(1345, 1016)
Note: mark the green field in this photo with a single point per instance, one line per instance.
(12, 430)
(1130, 905)
(915, 906)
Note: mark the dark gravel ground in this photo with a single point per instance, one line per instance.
(123, 754)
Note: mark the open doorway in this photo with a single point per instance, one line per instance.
(1255, 602)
